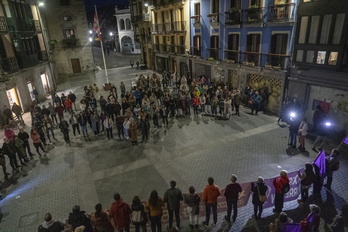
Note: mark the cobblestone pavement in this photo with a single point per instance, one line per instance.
(188, 151)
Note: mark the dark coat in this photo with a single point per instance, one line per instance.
(172, 197)
(79, 219)
(262, 188)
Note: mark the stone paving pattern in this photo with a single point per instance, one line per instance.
(188, 151)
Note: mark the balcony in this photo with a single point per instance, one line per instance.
(163, 48)
(70, 43)
(233, 17)
(180, 49)
(141, 17)
(179, 26)
(253, 14)
(169, 27)
(159, 3)
(171, 48)
(3, 25)
(43, 56)
(214, 53)
(37, 26)
(252, 59)
(276, 61)
(232, 56)
(196, 19)
(281, 12)
(214, 17)
(158, 27)
(8, 65)
(156, 47)
(196, 51)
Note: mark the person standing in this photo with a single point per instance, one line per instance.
(107, 123)
(237, 101)
(36, 141)
(53, 114)
(50, 225)
(302, 132)
(82, 120)
(75, 124)
(332, 165)
(94, 117)
(68, 105)
(72, 97)
(209, 197)
(64, 128)
(123, 88)
(19, 147)
(307, 178)
(232, 193)
(139, 217)
(133, 131)
(256, 100)
(120, 213)
(258, 190)
(172, 198)
(145, 128)
(9, 150)
(78, 218)
(100, 220)
(192, 200)
(164, 114)
(36, 95)
(49, 127)
(294, 125)
(3, 165)
(59, 110)
(280, 184)
(8, 114)
(24, 136)
(18, 111)
(154, 208)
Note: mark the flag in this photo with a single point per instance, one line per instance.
(96, 27)
(346, 140)
(321, 163)
(291, 227)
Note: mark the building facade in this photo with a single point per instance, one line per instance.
(24, 58)
(67, 26)
(125, 32)
(244, 42)
(320, 75)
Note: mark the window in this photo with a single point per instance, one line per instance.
(279, 43)
(310, 56)
(306, 0)
(338, 28)
(321, 57)
(299, 56)
(197, 45)
(64, 2)
(235, 4)
(197, 9)
(69, 34)
(332, 58)
(253, 42)
(325, 29)
(122, 27)
(128, 24)
(214, 47)
(215, 6)
(313, 32)
(303, 30)
(233, 42)
(255, 2)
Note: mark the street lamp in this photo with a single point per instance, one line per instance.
(90, 39)
(146, 4)
(111, 34)
(41, 4)
(90, 32)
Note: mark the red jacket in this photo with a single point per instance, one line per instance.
(195, 101)
(68, 103)
(211, 194)
(59, 110)
(279, 182)
(120, 212)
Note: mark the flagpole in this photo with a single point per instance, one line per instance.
(101, 44)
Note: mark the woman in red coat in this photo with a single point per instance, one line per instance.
(68, 105)
(120, 212)
(279, 184)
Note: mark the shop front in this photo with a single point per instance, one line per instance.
(13, 97)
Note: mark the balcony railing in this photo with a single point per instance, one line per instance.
(37, 26)
(214, 53)
(163, 48)
(156, 47)
(196, 19)
(43, 56)
(141, 17)
(253, 15)
(3, 25)
(233, 17)
(214, 17)
(232, 56)
(180, 49)
(158, 27)
(171, 48)
(252, 58)
(70, 43)
(196, 51)
(169, 26)
(159, 3)
(276, 61)
(9, 65)
(282, 12)
(179, 25)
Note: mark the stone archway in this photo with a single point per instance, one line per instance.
(127, 44)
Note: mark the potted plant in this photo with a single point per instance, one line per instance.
(254, 13)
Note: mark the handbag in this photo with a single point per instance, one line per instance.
(262, 198)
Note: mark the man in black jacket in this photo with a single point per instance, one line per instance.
(64, 128)
(78, 218)
(72, 97)
(172, 198)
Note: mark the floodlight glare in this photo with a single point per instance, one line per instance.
(146, 4)
(292, 114)
(90, 31)
(90, 39)
(111, 34)
(41, 4)
(328, 124)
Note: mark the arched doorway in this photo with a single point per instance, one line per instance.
(126, 44)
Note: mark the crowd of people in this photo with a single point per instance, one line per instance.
(157, 99)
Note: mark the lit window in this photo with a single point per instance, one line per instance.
(69, 34)
(321, 57)
(306, 0)
(333, 58)
(299, 56)
(310, 56)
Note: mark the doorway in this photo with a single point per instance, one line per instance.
(12, 97)
(45, 83)
(75, 64)
(30, 88)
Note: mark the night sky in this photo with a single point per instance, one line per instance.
(101, 3)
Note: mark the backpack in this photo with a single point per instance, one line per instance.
(137, 216)
(286, 188)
